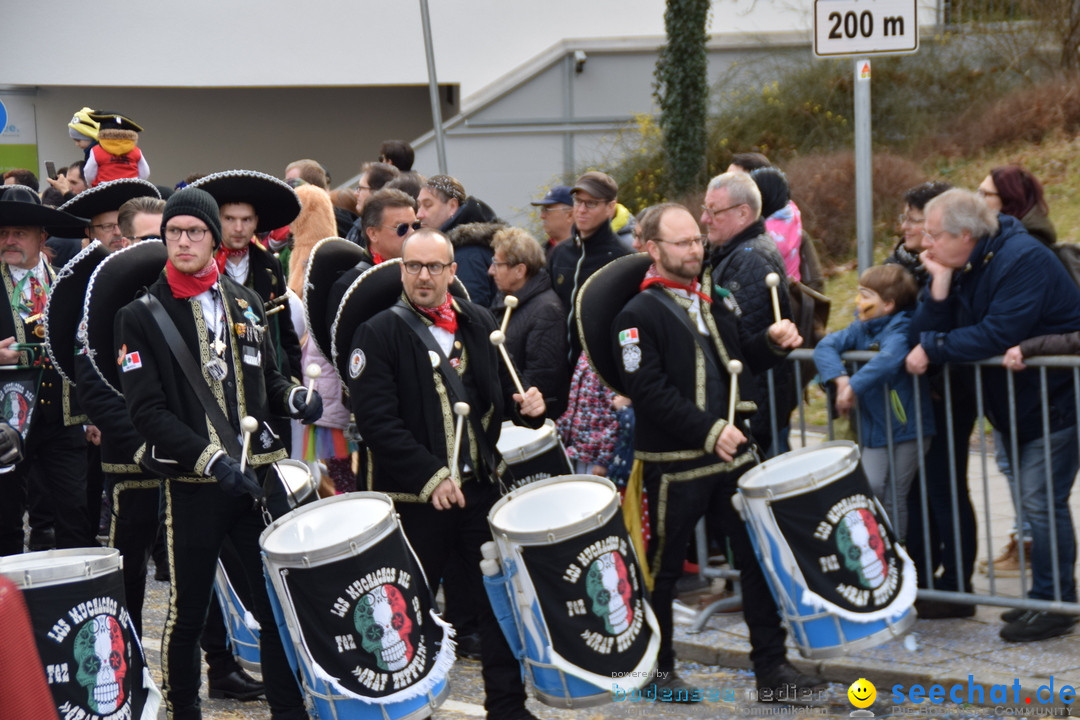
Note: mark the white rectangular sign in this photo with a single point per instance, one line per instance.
(865, 27)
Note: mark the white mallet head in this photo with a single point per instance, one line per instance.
(461, 408)
(434, 358)
(511, 301)
(313, 370)
(497, 337)
(772, 280)
(249, 424)
(734, 367)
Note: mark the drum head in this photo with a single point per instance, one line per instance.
(518, 444)
(561, 506)
(56, 567)
(332, 524)
(800, 470)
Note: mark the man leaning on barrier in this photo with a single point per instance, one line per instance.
(993, 285)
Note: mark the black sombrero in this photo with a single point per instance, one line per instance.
(64, 309)
(374, 291)
(117, 280)
(599, 301)
(20, 205)
(109, 196)
(275, 202)
(330, 259)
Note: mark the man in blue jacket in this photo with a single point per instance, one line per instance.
(993, 285)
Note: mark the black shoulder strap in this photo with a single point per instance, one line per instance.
(454, 387)
(188, 365)
(668, 302)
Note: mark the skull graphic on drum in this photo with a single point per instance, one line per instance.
(609, 589)
(859, 540)
(100, 652)
(382, 619)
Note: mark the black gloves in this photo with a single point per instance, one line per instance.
(10, 445)
(304, 411)
(232, 481)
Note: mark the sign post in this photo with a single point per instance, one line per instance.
(859, 28)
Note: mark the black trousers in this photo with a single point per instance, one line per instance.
(55, 458)
(680, 495)
(134, 526)
(436, 535)
(198, 518)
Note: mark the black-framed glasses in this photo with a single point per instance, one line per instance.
(434, 268)
(589, 204)
(717, 213)
(402, 229)
(194, 234)
(685, 243)
(106, 227)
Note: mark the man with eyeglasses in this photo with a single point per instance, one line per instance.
(740, 254)
(374, 178)
(403, 410)
(672, 355)
(208, 496)
(55, 445)
(556, 216)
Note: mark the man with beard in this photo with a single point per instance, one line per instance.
(673, 354)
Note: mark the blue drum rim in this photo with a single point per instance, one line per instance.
(531, 450)
(347, 548)
(804, 483)
(558, 534)
(895, 628)
(85, 563)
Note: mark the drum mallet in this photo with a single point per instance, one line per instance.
(773, 281)
(312, 371)
(511, 303)
(734, 367)
(249, 425)
(461, 409)
(498, 339)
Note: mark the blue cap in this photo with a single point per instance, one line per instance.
(558, 194)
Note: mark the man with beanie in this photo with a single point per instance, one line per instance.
(592, 245)
(207, 496)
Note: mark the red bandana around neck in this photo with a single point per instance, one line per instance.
(444, 316)
(224, 253)
(187, 286)
(652, 277)
(377, 259)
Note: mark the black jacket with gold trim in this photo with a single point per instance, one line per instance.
(120, 441)
(165, 410)
(267, 278)
(403, 410)
(680, 399)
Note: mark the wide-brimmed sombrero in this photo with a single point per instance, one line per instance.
(109, 196)
(374, 291)
(117, 280)
(275, 202)
(599, 301)
(64, 309)
(329, 260)
(20, 205)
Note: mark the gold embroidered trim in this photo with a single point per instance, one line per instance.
(429, 487)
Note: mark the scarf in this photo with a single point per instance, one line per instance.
(652, 277)
(377, 259)
(187, 286)
(224, 253)
(443, 316)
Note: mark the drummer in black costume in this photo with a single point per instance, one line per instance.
(403, 409)
(224, 328)
(672, 355)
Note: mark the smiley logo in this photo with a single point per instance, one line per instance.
(862, 693)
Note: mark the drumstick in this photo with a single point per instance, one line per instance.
(498, 338)
(773, 281)
(511, 303)
(248, 425)
(312, 371)
(461, 409)
(734, 367)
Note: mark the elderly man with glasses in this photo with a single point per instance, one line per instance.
(408, 366)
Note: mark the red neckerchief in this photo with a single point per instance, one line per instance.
(443, 316)
(653, 278)
(187, 286)
(224, 253)
(377, 259)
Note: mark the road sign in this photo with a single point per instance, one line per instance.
(865, 27)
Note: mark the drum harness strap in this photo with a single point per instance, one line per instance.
(214, 413)
(454, 386)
